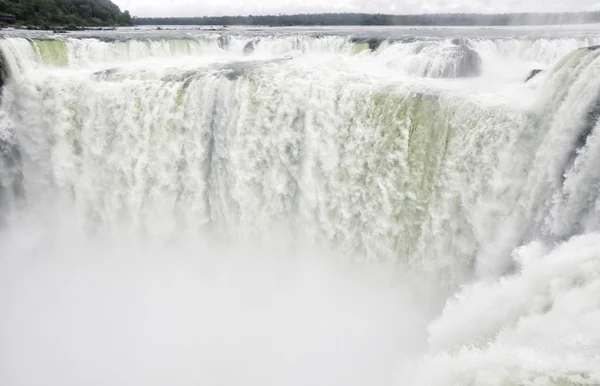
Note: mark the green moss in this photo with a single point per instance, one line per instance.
(360, 47)
(413, 130)
(51, 52)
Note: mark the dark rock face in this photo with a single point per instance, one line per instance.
(223, 41)
(468, 62)
(454, 62)
(591, 119)
(459, 41)
(579, 142)
(532, 74)
(249, 48)
(3, 72)
(373, 43)
(106, 73)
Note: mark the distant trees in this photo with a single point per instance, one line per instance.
(381, 19)
(66, 12)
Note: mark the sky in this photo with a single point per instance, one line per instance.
(257, 7)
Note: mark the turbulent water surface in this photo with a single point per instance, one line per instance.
(300, 207)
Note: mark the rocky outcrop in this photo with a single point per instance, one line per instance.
(3, 72)
(249, 47)
(223, 41)
(373, 43)
(459, 41)
(592, 118)
(532, 74)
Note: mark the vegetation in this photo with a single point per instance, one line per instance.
(65, 13)
(381, 20)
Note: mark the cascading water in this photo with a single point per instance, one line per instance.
(289, 208)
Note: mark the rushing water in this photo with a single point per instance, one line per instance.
(300, 207)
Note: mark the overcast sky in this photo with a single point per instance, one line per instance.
(255, 7)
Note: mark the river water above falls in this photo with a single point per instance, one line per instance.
(323, 206)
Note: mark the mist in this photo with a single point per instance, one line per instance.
(80, 310)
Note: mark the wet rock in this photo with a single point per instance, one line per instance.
(3, 72)
(236, 70)
(249, 48)
(592, 118)
(532, 74)
(410, 39)
(373, 43)
(106, 73)
(419, 48)
(459, 41)
(223, 41)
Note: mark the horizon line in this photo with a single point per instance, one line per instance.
(373, 13)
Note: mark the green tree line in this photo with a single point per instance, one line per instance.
(74, 13)
(381, 19)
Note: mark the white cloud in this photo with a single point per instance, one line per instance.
(245, 7)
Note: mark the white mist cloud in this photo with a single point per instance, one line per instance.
(77, 311)
(244, 7)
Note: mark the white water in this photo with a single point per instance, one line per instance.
(183, 213)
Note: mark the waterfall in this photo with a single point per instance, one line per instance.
(485, 185)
